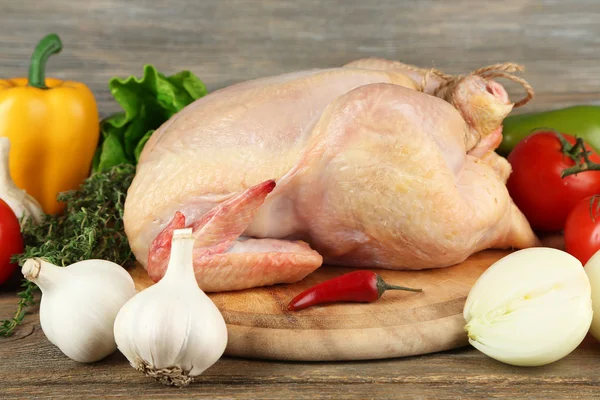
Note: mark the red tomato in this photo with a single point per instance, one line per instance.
(582, 229)
(536, 185)
(11, 241)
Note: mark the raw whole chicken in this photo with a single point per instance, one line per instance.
(374, 164)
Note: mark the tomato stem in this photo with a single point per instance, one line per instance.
(577, 148)
(567, 148)
(594, 213)
(580, 168)
(585, 166)
(576, 152)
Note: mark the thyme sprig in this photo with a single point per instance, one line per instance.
(90, 227)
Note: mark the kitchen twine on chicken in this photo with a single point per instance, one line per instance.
(503, 70)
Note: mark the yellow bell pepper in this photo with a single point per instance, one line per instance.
(53, 127)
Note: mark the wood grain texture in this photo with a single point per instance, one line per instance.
(227, 41)
(33, 368)
(397, 325)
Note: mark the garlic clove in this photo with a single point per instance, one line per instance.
(592, 269)
(530, 308)
(17, 199)
(79, 304)
(172, 331)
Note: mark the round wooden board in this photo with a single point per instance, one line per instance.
(398, 324)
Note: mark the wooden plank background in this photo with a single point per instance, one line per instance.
(227, 41)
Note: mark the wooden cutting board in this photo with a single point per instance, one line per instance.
(398, 324)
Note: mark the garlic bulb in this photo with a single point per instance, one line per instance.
(79, 304)
(172, 331)
(592, 269)
(530, 308)
(17, 199)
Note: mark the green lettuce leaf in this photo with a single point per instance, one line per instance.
(141, 144)
(147, 103)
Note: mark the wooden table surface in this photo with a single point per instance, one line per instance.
(226, 41)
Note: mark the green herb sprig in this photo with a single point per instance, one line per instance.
(90, 227)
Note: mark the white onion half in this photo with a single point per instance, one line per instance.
(530, 308)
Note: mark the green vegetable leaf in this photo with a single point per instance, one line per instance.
(141, 144)
(147, 102)
(110, 153)
(194, 87)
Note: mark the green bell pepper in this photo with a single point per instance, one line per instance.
(581, 121)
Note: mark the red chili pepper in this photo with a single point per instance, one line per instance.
(358, 286)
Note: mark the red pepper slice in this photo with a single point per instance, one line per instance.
(358, 286)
